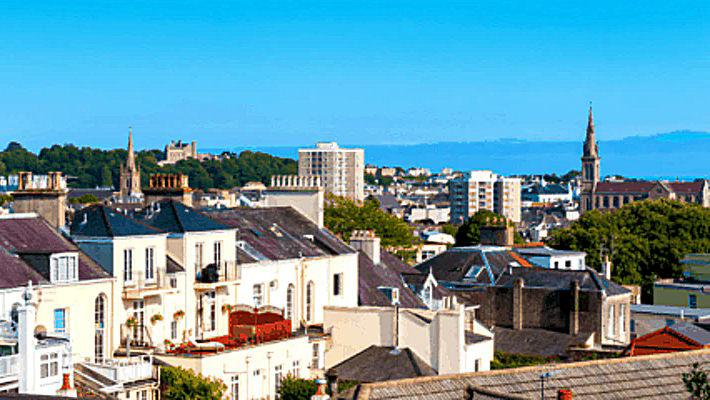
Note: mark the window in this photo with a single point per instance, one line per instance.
(622, 320)
(99, 323)
(63, 268)
(212, 310)
(49, 365)
(173, 281)
(632, 326)
(610, 322)
(234, 387)
(616, 202)
(278, 377)
(198, 256)
(217, 253)
(557, 264)
(337, 284)
(289, 302)
(127, 265)
(295, 369)
(692, 301)
(258, 295)
(315, 357)
(310, 288)
(149, 264)
(60, 320)
(477, 365)
(139, 316)
(173, 330)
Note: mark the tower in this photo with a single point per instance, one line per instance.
(590, 167)
(130, 175)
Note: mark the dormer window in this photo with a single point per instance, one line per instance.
(64, 267)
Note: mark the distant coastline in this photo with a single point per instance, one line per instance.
(681, 155)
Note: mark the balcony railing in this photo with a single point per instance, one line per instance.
(219, 272)
(9, 366)
(136, 336)
(140, 285)
(129, 369)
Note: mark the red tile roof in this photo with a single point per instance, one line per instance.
(687, 187)
(625, 187)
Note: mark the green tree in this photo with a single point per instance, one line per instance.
(342, 216)
(177, 383)
(645, 240)
(696, 383)
(106, 177)
(297, 389)
(84, 199)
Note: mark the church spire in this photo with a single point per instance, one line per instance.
(130, 160)
(590, 142)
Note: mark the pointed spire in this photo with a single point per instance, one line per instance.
(130, 160)
(590, 122)
(590, 142)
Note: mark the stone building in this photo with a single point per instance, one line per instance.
(178, 151)
(45, 195)
(598, 195)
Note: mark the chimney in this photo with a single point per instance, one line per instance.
(574, 308)
(606, 267)
(29, 381)
(46, 198)
(518, 285)
(564, 394)
(368, 243)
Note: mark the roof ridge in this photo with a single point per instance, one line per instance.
(109, 229)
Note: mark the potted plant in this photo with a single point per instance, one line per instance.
(227, 308)
(168, 344)
(179, 314)
(155, 318)
(131, 322)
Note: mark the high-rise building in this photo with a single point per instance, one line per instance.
(341, 171)
(130, 176)
(484, 190)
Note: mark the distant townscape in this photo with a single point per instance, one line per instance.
(178, 274)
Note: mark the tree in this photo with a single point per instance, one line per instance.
(343, 216)
(696, 383)
(84, 199)
(177, 383)
(645, 240)
(297, 389)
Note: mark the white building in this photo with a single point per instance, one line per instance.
(342, 171)
(546, 257)
(484, 190)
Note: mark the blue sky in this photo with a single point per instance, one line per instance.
(233, 73)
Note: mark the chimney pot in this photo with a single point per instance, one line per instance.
(564, 394)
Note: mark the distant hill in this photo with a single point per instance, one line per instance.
(681, 154)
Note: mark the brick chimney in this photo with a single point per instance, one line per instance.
(564, 394)
(368, 243)
(44, 195)
(168, 187)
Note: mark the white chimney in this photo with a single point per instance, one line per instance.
(368, 243)
(606, 267)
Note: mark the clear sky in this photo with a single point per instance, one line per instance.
(262, 73)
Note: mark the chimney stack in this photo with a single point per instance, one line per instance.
(564, 394)
(574, 309)
(606, 267)
(518, 286)
(368, 243)
(44, 195)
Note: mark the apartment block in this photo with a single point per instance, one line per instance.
(484, 190)
(342, 171)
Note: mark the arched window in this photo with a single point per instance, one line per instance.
(99, 324)
(289, 302)
(310, 300)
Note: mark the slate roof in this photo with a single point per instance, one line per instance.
(697, 314)
(538, 342)
(640, 187)
(102, 221)
(173, 216)
(16, 273)
(692, 332)
(377, 363)
(687, 187)
(643, 377)
(280, 233)
(387, 201)
(387, 273)
(561, 279)
(33, 235)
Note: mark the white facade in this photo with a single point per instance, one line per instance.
(554, 259)
(342, 171)
(484, 190)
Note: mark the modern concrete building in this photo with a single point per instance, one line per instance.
(342, 171)
(484, 190)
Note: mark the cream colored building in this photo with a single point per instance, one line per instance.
(484, 190)
(178, 151)
(450, 340)
(342, 171)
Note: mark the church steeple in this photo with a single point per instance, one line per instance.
(590, 143)
(590, 166)
(130, 175)
(131, 158)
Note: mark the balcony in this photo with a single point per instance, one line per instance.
(139, 287)
(217, 274)
(9, 368)
(124, 370)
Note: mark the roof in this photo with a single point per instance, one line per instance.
(102, 221)
(21, 235)
(173, 216)
(279, 233)
(544, 251)
(682, 336)
(387, 201)
(687, 187)
(172, 266)
(643, 377)
(694, 313)
(380, 363)
(100, 193)
(638, 187)
(692, 332)
(387, 274)
(16, 273)
(561, 279)
(539, 342)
